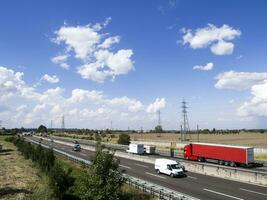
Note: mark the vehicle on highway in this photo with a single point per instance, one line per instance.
(136, 149)
(169, 167)
(223, 154)
(27, 134)
(150, 149)
(76, 147)
(75, 142)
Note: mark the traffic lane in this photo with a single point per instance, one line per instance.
(199, 186)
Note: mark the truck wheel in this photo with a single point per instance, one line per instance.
(221, 162)
(226, 163)
(232, 164)
(200, 159)
(158, 172)
(172, 175)
(187, 158)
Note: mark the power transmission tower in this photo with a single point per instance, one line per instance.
(0, 123)
(184, 122)
(62, 124)
(51, 124)
(159, 120)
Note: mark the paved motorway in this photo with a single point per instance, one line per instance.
(196, 185)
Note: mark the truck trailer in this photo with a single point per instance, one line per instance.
(136, 149)
(223, 154)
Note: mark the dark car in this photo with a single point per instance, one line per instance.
(76, 147)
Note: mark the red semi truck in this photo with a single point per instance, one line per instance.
(224, 154)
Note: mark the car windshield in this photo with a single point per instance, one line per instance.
(175, 166)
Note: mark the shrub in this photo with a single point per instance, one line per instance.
(124, 139)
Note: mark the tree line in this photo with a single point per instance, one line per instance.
(100, 181)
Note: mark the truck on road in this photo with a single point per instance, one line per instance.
(136, 148)
(223, 154)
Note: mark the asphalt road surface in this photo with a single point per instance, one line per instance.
(196, 185)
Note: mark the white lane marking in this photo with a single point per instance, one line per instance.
(192, 177)
(141, 165)
(156, 175)
(253, 191)
(226, 195)
(125, 166)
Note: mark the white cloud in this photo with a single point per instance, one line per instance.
(107, 64)
(217, 38)
(109, 42)
(93, 49)
(206, 67)
(257, 105)
(239, 80)
(159, 104)
(50, 79)
(61, 60)
(82, 108)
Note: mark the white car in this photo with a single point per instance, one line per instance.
(169, 167)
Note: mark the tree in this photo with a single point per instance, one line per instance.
(124, 139)
(103, 180)
(42, 129)
(158, 129)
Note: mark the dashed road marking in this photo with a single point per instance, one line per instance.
(226, 195)
(155, 175)
(141, 165)
(253, 191)
(125, 166)
(192, 177)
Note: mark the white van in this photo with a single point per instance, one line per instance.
(169, 167)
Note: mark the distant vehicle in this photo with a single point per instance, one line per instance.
(150, 149)
(76, 147)
(223, 154)
(169, 167)
(136, 148)
(76, 142)
(27, 134)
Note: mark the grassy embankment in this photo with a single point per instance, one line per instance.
(21, 179)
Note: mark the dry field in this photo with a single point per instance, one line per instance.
(18, 177)
(249, 139)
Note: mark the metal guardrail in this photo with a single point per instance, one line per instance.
(146, 186)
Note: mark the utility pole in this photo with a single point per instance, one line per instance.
(197, 134)
(111, 125)
(62, 124)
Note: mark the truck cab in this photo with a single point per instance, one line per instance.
(188, 153)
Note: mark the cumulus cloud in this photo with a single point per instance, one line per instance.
(50, 79)
(239, 80)
(159, 104)
(93, 49)
(218, 39)
(61, 60)
(82, 108)
(257, 105)
(207, 67)
(254, 82)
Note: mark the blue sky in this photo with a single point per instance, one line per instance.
(147, 66)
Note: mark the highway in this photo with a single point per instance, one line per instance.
(196, 185)
(211, 162)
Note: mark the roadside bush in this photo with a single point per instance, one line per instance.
(124, 139)
(60, 181)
